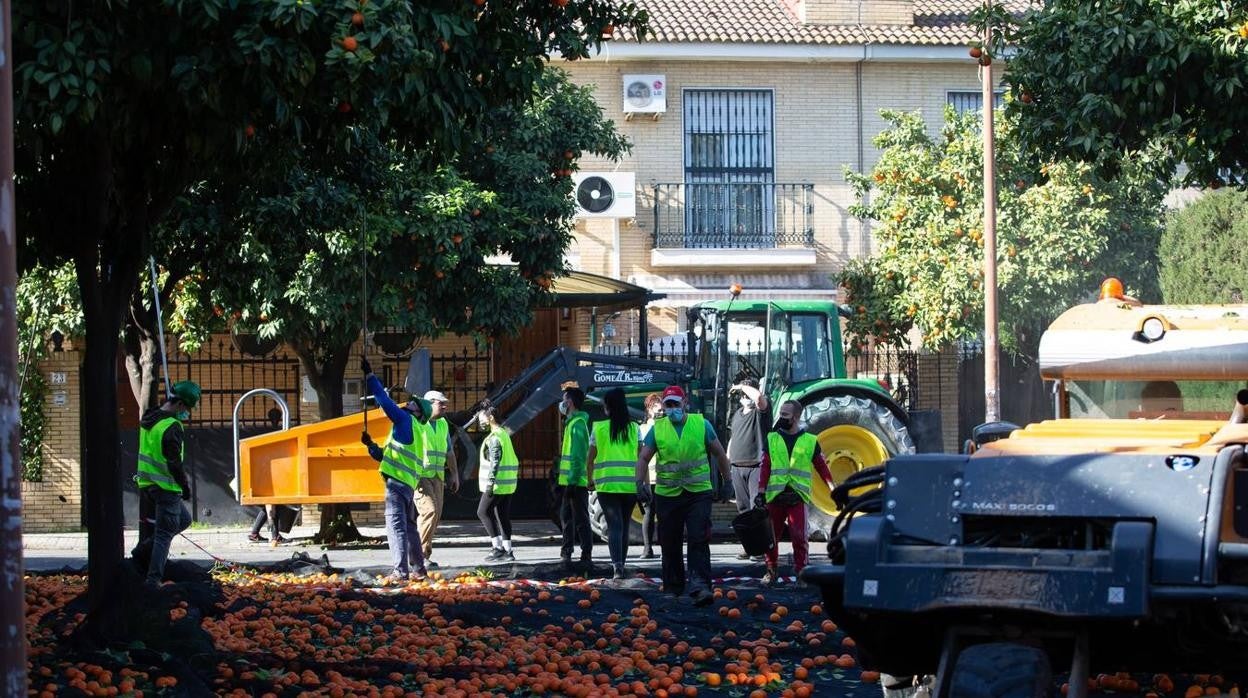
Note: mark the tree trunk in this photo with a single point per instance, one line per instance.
(142, 365)
(337, 526)
(102, 295)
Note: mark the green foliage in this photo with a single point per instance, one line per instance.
(1060, 230)
(47, 301)
(1202, 250)
(425, 229)
(1156, 81)
(874, 296)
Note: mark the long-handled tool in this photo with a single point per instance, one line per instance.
(160, 326)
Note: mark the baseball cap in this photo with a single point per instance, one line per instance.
(435, 396)
(673, 393)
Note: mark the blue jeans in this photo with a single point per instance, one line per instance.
(618, 509)
(402, 534)
(172, 517)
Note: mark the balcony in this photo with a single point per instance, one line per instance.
(731, 224)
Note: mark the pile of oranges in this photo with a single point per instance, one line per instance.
(324, 635)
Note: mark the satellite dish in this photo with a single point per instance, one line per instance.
(595, 194)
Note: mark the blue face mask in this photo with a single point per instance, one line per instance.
(183, 416)
(675, 414)
(563, 409)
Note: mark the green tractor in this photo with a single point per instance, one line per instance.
(793, 348)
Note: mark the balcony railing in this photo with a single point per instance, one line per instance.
(736, 215)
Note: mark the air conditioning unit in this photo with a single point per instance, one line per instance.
(605, 194)
(645, 94)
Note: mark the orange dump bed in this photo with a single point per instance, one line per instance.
(1062, 436)
(320, 463)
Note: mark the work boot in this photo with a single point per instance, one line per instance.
(566, 563)
(257, 538)
(701, 597)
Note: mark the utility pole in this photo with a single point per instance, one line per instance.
(12, 594)
(992, 388)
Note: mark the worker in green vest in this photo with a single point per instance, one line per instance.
(789, 464)
(613, 448)
(161, 477)
(402, 459)
(573, 479)
(439, 468)
(496, 478)
(683, 492)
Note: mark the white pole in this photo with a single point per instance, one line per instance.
(992, 393)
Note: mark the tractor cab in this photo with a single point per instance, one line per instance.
(785, 347)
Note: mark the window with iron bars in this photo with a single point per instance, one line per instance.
(963, 101)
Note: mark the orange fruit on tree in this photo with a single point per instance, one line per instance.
(349, 43)
(357, 19)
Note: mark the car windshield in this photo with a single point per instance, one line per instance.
(746, 344)
(1153, 399)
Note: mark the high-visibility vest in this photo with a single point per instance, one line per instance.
(436, 440)
(404, 462)
(615, 465)
(793, 469)
(153, 466)
(683, 464)
(575, 420)
(507, 471)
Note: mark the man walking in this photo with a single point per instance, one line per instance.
(748, 426)
(788, 468)
(573, 479)
(161, 479)
(683, 492)
(438, 467)
(402, 460)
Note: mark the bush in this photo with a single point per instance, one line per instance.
(1202, 250)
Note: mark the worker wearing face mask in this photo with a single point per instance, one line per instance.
(747, 440)
(496, 478)
(789, 465)
(683, 492)
(574, 479)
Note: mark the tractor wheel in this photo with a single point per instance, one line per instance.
(854, 432)
(598, 521)
(1001, 670)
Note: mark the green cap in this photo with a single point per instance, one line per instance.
(187, 392)
(426, 408)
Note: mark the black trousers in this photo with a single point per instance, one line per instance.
(685, 516)
(574, 515)
(618, 508)
(495, 514)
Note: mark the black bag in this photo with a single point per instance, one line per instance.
(754, 530)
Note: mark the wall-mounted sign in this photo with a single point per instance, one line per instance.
(60, 398)
(57, 378)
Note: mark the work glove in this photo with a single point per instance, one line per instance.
(366, 439)
(366, 367)
(760, 500)
(186, 493)
(643, 493)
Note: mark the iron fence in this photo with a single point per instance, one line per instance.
(733, 215)
(224, 373)
(464, 376)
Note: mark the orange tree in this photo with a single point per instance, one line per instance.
(1104, 82)
(122, 106)
(1060, 228)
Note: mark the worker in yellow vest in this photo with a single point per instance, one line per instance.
(789, 464)
(496, 478)
(439, 470)
(612, 459)
(573, 479)
(402, 459)
(683, 492)
(649, 522)
(161, 478)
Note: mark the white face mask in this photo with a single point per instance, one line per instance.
(484, 421)
(746, 403)
(563, 408)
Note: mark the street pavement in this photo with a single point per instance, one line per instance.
(459, 545)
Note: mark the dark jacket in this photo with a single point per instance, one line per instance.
(170, 444)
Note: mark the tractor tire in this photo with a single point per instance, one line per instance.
(1001, 670)
(598, 521)
(855, 431)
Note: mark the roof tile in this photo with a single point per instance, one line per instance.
(936, 22)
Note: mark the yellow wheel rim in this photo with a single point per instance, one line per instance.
(847, 448)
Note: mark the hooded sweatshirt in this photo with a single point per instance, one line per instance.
(170, 444)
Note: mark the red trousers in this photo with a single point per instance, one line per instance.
(794, 516)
